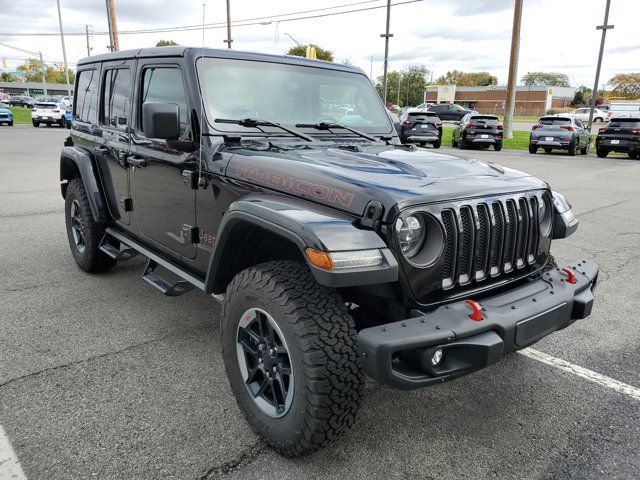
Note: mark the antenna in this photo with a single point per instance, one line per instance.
(201, 121)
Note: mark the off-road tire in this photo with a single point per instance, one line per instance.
(321, 337)
(533, 149)
(602, 152)
(92, 259)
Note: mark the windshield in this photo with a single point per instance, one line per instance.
(288, 94)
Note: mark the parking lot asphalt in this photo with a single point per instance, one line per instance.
(103, 377)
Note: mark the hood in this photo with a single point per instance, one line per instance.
(348, 178)
(5, 110)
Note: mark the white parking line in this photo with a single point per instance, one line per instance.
(587, 374)
(10, 468)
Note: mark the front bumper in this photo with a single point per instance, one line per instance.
(397, 354)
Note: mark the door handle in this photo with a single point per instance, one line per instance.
(102, 149)
(136, 161)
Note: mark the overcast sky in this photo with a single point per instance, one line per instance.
(471, 35)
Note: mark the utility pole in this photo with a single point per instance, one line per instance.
(113, 27)
(386, 37)
(513, 69)
(399, 80)
(86, 30)
(44, 79)
(64, 51)
(604, 29)
(228, 40)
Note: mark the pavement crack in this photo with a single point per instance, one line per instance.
(31, 214)
(245, 458)
(602, 207)
(102, 355)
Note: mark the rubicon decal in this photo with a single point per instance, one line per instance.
(296, 186)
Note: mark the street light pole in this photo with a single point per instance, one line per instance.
(513, 69)
(44, 79)
(604, 29)
(228, 40)
(64, 51)
(386, 37)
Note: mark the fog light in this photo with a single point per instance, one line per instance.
(437, 357)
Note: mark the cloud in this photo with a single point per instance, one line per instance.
(464, 34)
(136, 11)
(623, 49)
(478, 7)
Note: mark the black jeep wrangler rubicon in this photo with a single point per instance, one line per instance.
(278, 185)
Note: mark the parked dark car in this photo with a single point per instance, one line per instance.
(21, 101)
(560, 133)
(421, 128)
(6, 115)
(450, 111)
(619, 135)
(334, 249)
(478, 131)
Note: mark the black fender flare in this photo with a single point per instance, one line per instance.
(304, 224)
(74, 162)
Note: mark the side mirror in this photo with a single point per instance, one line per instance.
(161, 120)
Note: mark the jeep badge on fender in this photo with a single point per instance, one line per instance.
(279, 186)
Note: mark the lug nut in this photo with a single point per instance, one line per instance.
(261, 347)
(272, 351)
(275, 369)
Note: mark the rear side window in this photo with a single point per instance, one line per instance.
(115, 98)
(85, 105)
(164, 85)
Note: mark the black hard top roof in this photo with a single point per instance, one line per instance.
(183, 51)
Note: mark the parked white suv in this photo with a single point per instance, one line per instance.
(66, 101)
(48, 113)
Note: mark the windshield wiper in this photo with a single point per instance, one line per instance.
(329, 126)
(254, 122)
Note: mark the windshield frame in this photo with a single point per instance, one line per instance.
(225, 129)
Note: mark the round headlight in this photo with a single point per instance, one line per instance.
(545, 216)
(411, 233)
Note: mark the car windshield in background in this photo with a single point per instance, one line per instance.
(289, 95)
(47, 106)
(484, 119)
(625, 123)
(554, 121)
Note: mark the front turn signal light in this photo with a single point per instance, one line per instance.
(344, 260)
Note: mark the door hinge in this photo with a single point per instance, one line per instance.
(190, 178)
(192, 234)
(127, 204)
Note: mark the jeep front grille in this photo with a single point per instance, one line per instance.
(487, 239)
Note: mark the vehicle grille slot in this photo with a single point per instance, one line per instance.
(523, 232)
(465, 253)
(497, 239)
(534, 231)
(450, 248)
(511, 235)
(483, 237)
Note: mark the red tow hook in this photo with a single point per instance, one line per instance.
(571, 274)
(476, 315)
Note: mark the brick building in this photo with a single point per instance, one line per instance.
(492, 99)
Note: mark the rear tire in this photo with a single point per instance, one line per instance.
(497, 147)
(462, 144)
(602, 152)
(36, 124)
(598, 120)
(316, 340)
(634, 155)
(533, 149)
(83, 232)
(437, 144)
(573, 149)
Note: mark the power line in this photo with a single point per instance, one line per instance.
(212, 26)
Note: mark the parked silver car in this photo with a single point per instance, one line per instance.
(562, 133)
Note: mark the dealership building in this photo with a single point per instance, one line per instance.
(492, 98)
(34, 89)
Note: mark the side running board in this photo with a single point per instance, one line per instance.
(132, 248)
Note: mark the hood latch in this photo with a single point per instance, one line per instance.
(372, 215)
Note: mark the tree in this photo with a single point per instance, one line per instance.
(166, 43)
(7, 77)
(467, 79)
(31, 70)
(406, 87)
(626, 83)
(321, 53)
(581, 97)
(546, 79)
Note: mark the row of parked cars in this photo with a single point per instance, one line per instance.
(47, 113)
(29, 102)
(423, 125)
